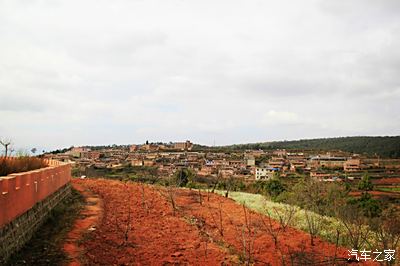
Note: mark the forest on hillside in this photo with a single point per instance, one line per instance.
(387, 146)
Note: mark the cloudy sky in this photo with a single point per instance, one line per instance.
(123, 71)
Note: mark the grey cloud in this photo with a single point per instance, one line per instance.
(14, 104)
(114, 49)
(283, 87)
(363, 14)
(172, 70)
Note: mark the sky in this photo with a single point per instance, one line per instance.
(98, 72)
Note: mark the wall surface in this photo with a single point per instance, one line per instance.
(14, 235)
(25, 201)
(20, 192)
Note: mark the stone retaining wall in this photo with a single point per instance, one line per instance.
(26, 199)
(15, 234)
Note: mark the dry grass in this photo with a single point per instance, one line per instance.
(20, 164)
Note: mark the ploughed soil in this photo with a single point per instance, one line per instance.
(139, 225)
(386, 181)
(378, 194)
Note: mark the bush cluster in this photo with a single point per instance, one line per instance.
(20, 164)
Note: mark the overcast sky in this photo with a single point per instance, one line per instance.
(102, 72)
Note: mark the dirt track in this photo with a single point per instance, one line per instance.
(139, 227)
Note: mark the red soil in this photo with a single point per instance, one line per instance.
(376, 194)
(156, 236)
(386, 181)
(139, 227)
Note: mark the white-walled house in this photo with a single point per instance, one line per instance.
(265, 173)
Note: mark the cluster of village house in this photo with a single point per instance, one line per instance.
(249, 164)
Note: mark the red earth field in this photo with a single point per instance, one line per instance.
(134, 224)
(377, 194)
(387, 181)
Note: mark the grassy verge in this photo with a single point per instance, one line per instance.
(260, 204)
(45, 247)
(389, 189)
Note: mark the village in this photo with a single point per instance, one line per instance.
(247, 165)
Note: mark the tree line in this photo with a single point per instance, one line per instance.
(385, 147)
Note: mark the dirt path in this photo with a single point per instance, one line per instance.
(87, 222)
(139, 226)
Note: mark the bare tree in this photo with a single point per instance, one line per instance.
(127, 227)
(269, 227)
(219, 224)
(6, 142)
(311, 196)
(169, 193)
(285, 216)
(230, 183)
(144, 201)
(171, 198)
(216, 182)
(200, 197)
(314, 223)
(248, 237)
(386, 229)
(356, 227)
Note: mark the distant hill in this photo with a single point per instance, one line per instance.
(388, 147)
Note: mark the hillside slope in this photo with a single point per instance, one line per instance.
(383, 146)
(150, 225)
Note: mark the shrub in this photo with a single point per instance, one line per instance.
(370, 207)
(274, 188)
(365, 183)
(183, 177)
(386, 228)
(257, 187)
(20, 164)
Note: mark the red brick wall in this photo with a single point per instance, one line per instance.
(20, 192)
